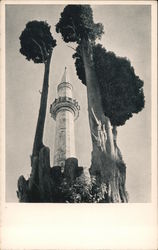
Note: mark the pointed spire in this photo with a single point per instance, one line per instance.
(64, 77)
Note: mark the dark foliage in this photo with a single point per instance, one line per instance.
(120, 88)
(76, 23)
(81, 190)
(36, 41)
(80, 70)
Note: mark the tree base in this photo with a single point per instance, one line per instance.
(110, 173)
(45, 183)
(70, 184)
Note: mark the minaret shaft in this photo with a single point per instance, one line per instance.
(64, 137)
(64, 110)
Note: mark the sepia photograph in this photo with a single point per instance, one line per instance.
(78, 103)
(79, 140)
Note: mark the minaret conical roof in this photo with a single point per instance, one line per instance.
(65, 77)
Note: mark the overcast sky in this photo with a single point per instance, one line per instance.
(127, 33)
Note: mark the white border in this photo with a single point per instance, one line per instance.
(73, 226)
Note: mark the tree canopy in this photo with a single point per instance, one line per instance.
(36, 41)
(76, 23)
(121, 89)
(37, 44)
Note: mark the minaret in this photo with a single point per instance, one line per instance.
(64, 110)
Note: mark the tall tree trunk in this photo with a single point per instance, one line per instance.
(95, 108)
(103, 162)
(38, 140)
(121, 169)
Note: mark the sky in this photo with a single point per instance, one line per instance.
(128, 34)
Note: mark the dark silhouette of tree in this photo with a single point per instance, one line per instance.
(76, 24)
(121, 89)
(99, 71)
(37, 45)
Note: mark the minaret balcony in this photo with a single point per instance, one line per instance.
(64, 103)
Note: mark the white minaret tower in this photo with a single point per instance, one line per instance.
(64, 110)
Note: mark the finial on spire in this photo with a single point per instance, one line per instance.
(64, 77)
